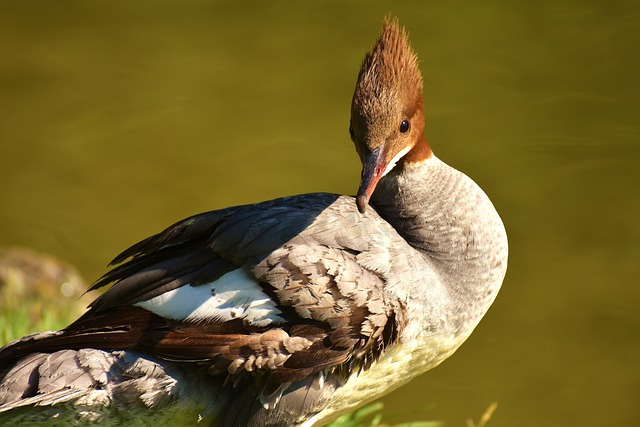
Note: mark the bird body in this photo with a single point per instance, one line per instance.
(285, 312)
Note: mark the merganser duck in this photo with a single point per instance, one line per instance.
(286, 312)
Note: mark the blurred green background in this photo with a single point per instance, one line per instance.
(118, 118)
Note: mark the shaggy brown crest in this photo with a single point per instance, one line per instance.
(390, 64)
(389, 72)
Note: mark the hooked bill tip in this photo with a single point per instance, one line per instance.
(362, 201)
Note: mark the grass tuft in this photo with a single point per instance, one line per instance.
(371, 416)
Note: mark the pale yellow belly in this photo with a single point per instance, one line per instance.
(395, 368)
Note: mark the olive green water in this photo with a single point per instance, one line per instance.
(118, 118)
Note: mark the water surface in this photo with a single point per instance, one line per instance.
(119, 118)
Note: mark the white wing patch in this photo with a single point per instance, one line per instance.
(235, 295)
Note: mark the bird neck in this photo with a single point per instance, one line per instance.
(451, 222)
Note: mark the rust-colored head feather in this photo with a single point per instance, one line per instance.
(389, 86)
(387, 112)
(390, 65)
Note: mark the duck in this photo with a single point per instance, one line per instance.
(287, 312)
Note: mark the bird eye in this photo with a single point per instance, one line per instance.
(351, 132)
(404, 126)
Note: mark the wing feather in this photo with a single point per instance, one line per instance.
(303, 252)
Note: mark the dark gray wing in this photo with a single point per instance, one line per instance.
(309, 254)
